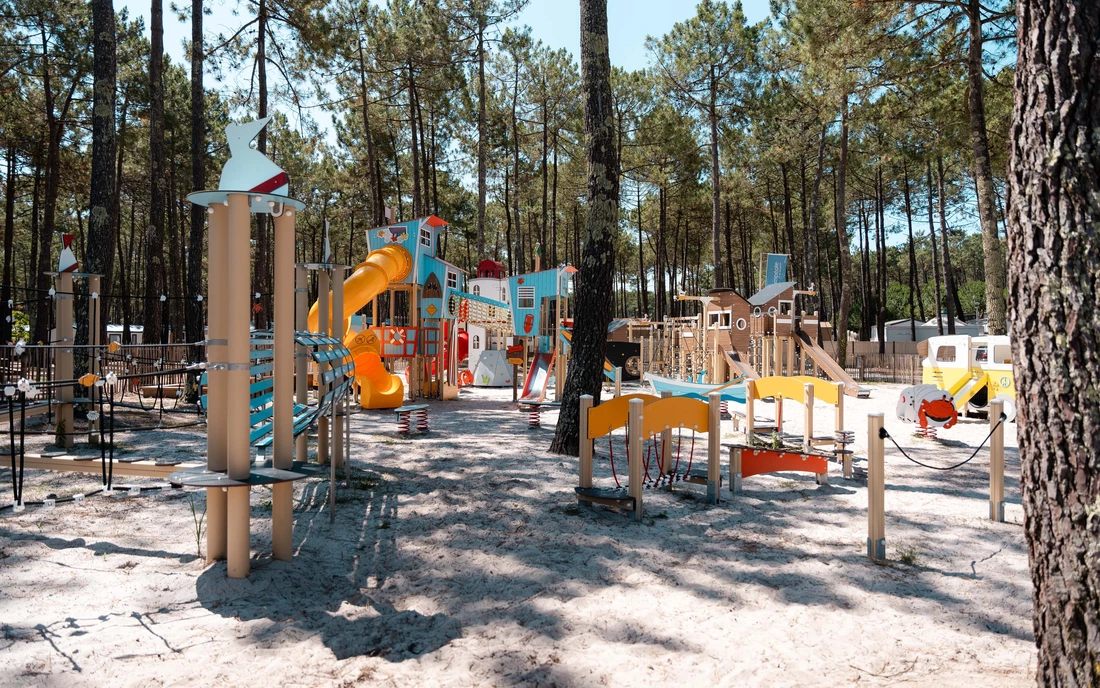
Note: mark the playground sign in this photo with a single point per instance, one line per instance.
(777, 268)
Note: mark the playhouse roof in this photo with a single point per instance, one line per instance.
(769, 292)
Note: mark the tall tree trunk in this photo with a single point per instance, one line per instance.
(482, 138)
(593, 289)
(952, 300)
(880, 263)
(197, 231)
(100, 253)
(154, 240)
(715, 183)
(935, 250)
(508, 225)
(521, 259)
(554, 208)
(49, 208)
(788, 219)
(260, 283)
(41, 308)
(378, 204)
(983, 177)
(912, 255)
(6, 319)
(417, 206)
(815, 203)
(1054, 206)
(843, 244)
(545, 182)
(642, 295)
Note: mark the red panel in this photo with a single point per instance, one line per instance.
(759, 461)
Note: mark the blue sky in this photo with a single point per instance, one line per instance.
(554, 22)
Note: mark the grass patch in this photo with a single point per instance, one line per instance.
(908, 555)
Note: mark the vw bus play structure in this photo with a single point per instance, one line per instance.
(973, 370)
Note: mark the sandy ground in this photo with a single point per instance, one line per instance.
(461, 558)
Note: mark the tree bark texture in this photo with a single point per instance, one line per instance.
(594, 282)
(1054, 256)
(197, 228)
(983, 178)
(99, 255)
(154, 239)
(840, 326)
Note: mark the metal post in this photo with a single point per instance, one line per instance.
(996, 462)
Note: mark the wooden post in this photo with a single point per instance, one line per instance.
(838, 424)
(339, 328)
(282, 494)
(217, 288)
(94, 367)
(63, 362)
(996, 462)
(586, 448)
(236, 378)
(648, 367)
(791, 370)
(876, 485)
(634, 441)
(666, 446)
(301, 356)
(807, 417)
(714, 445)
(618, 381)
(735, 469)
(324, 324)
(750, 410)
(777, 352)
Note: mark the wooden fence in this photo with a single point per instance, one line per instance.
(899, 364)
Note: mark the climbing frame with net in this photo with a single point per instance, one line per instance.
(480, 311)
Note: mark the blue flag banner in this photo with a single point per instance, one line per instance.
(777, 268)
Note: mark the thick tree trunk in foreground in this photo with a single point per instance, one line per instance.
(594, 282)
(983, 177)
(1054, 254)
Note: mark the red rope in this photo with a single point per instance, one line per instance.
(691, 454)
(611, 451)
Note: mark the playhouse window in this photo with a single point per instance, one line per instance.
(527, 297)
(718, 320)
(785, 307)
(477, 341)
(452, 279)
(425, 237)
(945, 354)
(504, 294)
(477, 290)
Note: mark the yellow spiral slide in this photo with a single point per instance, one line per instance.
(378, 389)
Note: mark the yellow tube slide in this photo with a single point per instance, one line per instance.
(393, 263)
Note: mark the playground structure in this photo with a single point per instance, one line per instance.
(661, 415)
(758, 431)
(250, 379)
(734, 338)
(972, 370)
(405, 285)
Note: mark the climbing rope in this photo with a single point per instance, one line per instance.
(883, 434)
